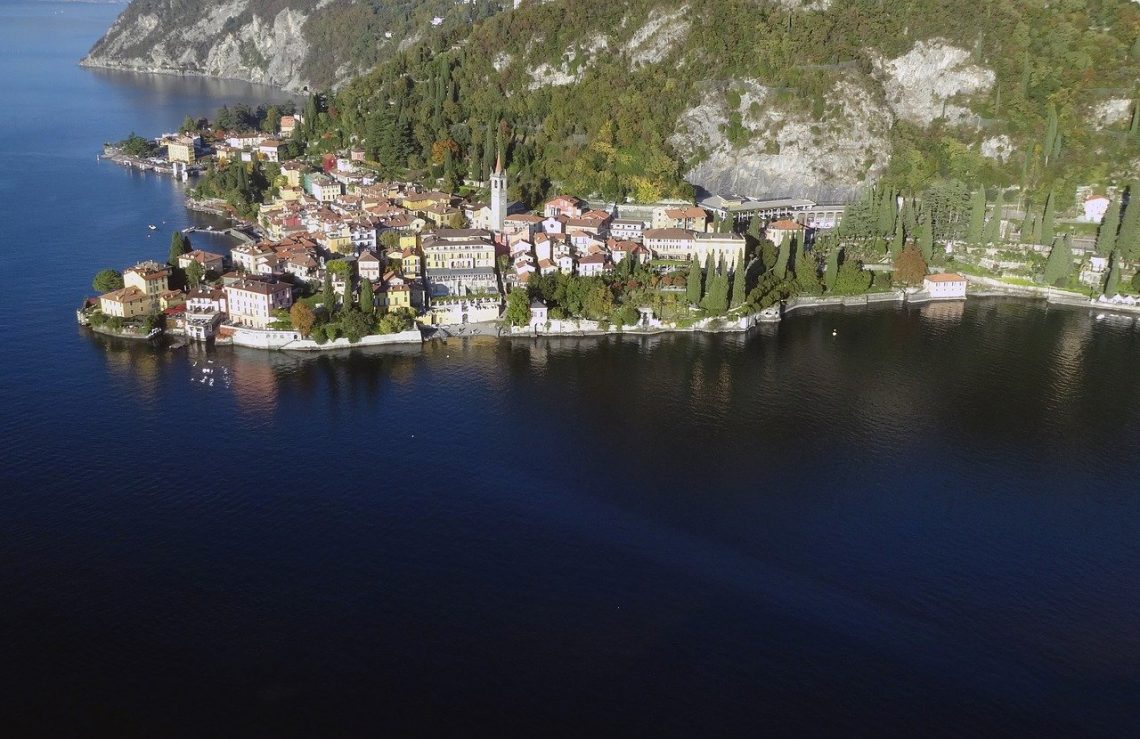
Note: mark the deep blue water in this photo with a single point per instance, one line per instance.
(927, 524)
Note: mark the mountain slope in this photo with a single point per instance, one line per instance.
(294, 44)
(768, 98)
(762, 98)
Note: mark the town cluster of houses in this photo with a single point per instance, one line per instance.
(447, 258)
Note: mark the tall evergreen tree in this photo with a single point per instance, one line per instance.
(1134, 129)
(925, 236)
(832, 270)
(784, 258)
(367, 301)
(977, 217)
(1059, 264)
(1128, 238)
(1106, 234)
(346, 300)
(807, 273)
(898, 241)
(739, 292)
(888, 212)
(1047, 230)
(693, 286)
(992, 233)
(1050, 132)
(179, 245)
(328, 297)
(1112, 282)
(909, 217)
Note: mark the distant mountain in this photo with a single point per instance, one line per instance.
(294, 44)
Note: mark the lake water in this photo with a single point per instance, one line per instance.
(927, 524)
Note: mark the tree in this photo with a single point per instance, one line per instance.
(179, 245)
(1047, 230)
(693, 285)
(1128, 238)
(898, 241)
(188, 124)
(518, 307)
(1059, 264)
(1050, 132)
(831, 272)
(367, 298)
(328, 297)
(925, 235)
(739, 292)
(356, 325)
(910, 267)
(346, 300)
(302, 318)
(194, 274)
(977, 217)
(784, 257)
(807, 273)
(716, 287)
(852, 279)
(107, 280)
(1112, 282)
(1106, 234)
(992, 233)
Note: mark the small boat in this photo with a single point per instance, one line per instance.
(152, 227)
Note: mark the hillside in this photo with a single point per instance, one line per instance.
(781, 98)
(294, 44)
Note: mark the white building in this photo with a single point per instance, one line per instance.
(947, 286)
(252, 302)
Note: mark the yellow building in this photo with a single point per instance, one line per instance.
(293, 173)
(181, 149)
(127, 302)
(151, 279)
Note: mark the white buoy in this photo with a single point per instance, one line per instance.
(834, 332)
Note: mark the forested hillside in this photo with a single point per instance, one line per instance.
(629, 99)
(813, 98)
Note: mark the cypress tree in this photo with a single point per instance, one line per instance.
(346, 299)
(1047, 230)
(328, 297)
(1059, 264)
(832, 270)
(1128, 238)
(1134, 129)
(1025, 234)
(888, 211)
(1050, 132)
(784, 258)
(898, 240)
(925, 235)
(993, 226)
(909, 219)
(738, 288)
(1112, 282)
(1106, 235)
(807, 273)
(367, 305)
(693, 286)
(977, 217)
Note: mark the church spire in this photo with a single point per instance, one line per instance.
(499, 163)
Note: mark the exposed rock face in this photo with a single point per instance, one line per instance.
(790, 152)
(658, 36)
(265, 50)
(997, 147)
(1113, 110)
(571, 67)
(920, 83)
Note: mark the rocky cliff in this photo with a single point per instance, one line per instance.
(292, 44)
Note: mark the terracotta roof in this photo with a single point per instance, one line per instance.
(785, 224)
(946, 277)
(124, 295)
